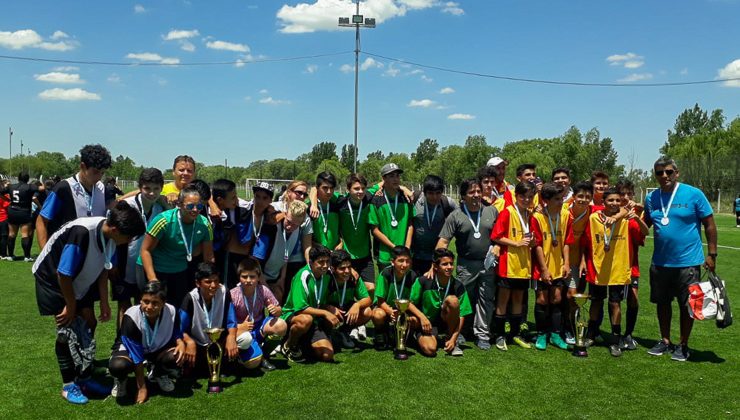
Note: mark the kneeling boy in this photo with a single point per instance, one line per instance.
(348, 298)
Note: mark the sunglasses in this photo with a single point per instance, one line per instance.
(300, 193)
(193, 206)
(668, 172)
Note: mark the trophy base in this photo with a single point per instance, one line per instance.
(580, 352)
(214, 388)
(400, 355)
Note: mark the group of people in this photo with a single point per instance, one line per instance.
(302, 274)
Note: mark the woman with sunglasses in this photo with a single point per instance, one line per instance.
(173, 238)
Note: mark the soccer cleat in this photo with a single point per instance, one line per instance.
(266, 366)
(588, 342)
(541, 342)
(8, 259)
(293, 354)
(89, 386)
(354, 334)
(501, 344)
(521, 342)
(380, 341)
(345, 340)
(29, 259)
(524, 327)
(361, 333)
(165, 383)
(569, 339)
(629, 343)
(119, 388)
(660, 348)
(557, 341)
(73, 394)
(615, 350)
(460, 340)
(482, 344)
(277, 350)
(680, 353)
(457, 352)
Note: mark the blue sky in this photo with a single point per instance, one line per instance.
(251, 110)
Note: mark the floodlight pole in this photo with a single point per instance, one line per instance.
(357, 21)
(10, 151)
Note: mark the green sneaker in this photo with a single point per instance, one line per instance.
(541, 343)
(522, 343)
(507, 327)
(557, 341)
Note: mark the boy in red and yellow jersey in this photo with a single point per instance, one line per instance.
(580, 209)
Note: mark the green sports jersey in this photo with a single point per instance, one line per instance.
(352, 291)
(386, 212)
(354, 228)
(306, 292)
(326, 226)
(386, 286)
(427, 295)
(170, 254)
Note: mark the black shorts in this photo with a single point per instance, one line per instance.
(365, 268)
(320, 330)
(19, 216)
(513, 284)
(667, 283)
(616, 293)
(438, 326)
(177, 285)
(122, 291)
(555, 284)
(421, 266)
(51, 301)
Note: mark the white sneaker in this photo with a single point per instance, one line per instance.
(361, 332)
(29, 260)
(7, 258)
(119, 388)
(277, 350)
(354, 334)
(165, 383)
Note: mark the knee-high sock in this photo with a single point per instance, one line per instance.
(631, 319)
(66, 364)
(516, 324)
(540, 317)
(11, 246)
(556, 318)
(26, 244)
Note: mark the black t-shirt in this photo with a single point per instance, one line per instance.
(21, 195)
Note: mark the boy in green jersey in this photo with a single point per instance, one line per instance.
(305, 311)
(325, 211)
(392, 219)
(394, 282)
(443, 302)
(348, 298)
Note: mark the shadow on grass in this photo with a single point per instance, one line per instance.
(697, 356)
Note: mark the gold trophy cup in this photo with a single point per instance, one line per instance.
(214, 354)
(580, 324)
(402, 327)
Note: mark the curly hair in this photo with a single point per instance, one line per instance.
(95, 156)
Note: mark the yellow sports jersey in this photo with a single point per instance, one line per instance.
(579, 223)
(170, 188)
(608, 267)
(515, 262)
(499, 204)
(545, 238)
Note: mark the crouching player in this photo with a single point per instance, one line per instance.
(150, 332)
(257, 315)
(77, 257)
(606, 262)
(348, 298)
(305, 311)
(207, 306)
(443, 302)
(394, 282)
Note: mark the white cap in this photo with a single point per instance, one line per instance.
(495, 161)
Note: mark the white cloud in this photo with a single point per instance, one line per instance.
(75, 94)
(322, 14)
(176, 34)
(227, 46)
(139, 9)
(452, 8)
(28, 38)
(66, 68)
(629, 60)
(264, 91)
(346, 68)
(59, 77)
(460, 117)
(391, 71)
(271, 101)
(421, 103)
(730, 71)
(426, 78)
(370, 63)
(636, 77)
(114, 78)
(311, 69)
(153, 57)
(418, 4)
(446, 91)
(187, 46)
(415, 71)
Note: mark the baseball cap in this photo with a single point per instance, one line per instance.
(390, 168)
(495, 161)
(264, 186)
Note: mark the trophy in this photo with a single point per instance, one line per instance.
(402, 327)
(580, 323)
(214, 354)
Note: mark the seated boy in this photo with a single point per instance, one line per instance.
(394, 282)
(443, 301)
(348, 298)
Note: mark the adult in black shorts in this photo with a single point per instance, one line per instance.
(20, 216)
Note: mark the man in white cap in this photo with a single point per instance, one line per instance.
(501, 185)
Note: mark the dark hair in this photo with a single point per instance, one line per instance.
(49, 184)
(433, 183)
(664, 161)
(23, 177)
(523, 167)
(205, 270)
(155, 288)
(110, 180)
(189, 190)
(625, 184)
(352, 178)
(559, 170)
(326, 178)
(611, 190)
(339, 256)
(400, 251)
(440, 253)
(249, 263)
(599, 174)
(95, 156)
(151, 176)
(586, 186)
(466, 184)
(126, 219)
(550, 190)
(487, 172)
(203, 189)
(524, 188)
(318, 251)
(183, 158)
(221, 187)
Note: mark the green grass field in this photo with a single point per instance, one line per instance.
(366, 383)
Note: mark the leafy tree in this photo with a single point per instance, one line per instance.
(348, 156)
(321, 152)
(428, 150)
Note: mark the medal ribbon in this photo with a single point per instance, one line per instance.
(476, 226)
(439, 289)
(250, 313)
(667, 209)
(149, 334)
(188, 248)
(554, 232)
(395, 286)
(352, 216)
(426, 213)
(395, 206)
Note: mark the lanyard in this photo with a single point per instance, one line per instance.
(188, 248)
(344, 291)
(250, 314)
(608, 239)
(439, 288)
(393, 209)
(426, 213)
(149, 334)
(554, 232)
(525, 226)
(288, 250)
(352, 216)
(665, 208)
(324, 216)
(108, 250)
(209, 318)
(580, 216)
(88, 197)
(476, 225)
(395, 285)
(316, 292)
(254, 226)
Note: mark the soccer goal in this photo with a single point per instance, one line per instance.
(277, 185)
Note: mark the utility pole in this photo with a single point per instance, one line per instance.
(10, 151)
(357, 21)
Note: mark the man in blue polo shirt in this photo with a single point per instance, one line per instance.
(677, 211)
